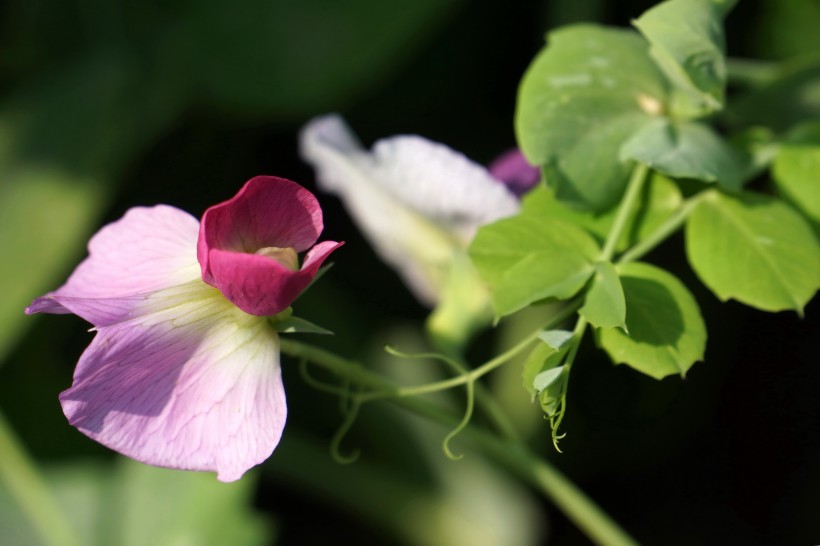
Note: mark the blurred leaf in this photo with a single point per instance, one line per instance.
(687, 41)
(586, 91)
(686, 150)
(296, 58)
(296, 325)
(44, 216)
(755, 249)
(792, 97)
(667, 334)
(759, 148)
(604, 306)
(161, 506)
(530, 257)
(796, 171)
(135, 504)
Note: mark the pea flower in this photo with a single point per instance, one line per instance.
(419, 204)
(183, 371)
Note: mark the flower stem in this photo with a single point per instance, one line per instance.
(32, 494)
(573, 502)
(473, 375)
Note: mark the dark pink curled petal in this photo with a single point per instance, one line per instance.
(512, 169)
(267, 212)
(261, 286)
(190, 382)
(148, 249)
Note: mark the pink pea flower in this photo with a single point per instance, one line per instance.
(184, 371)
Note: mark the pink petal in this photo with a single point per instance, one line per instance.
(267, 212)
(190, 383)
(148, 249)
(261, 286)
(512, 169)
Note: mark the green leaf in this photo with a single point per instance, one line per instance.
(659, 199)
(528, 258)
(584, 93)
(791, 97)
(296, 325)
(755, 249)
(551, 385)
(666, 331)
(759, 148)
(687, 41)
(544, 356)
(285, 323)
(604, 306)
(686, 150)
(796, 171)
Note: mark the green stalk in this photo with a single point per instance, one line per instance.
(573, 502)
(750, 72)
(663, 232)
(631, 195)
(472, 375)
(27, 487)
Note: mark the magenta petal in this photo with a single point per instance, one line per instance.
(147, 250)
(267, 212)
(261, 286)
(194, 386)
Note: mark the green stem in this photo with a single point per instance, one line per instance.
(663, 232)
(490, 406)
(633, 192)
(573, 502)
(28, 488)
(476, 373)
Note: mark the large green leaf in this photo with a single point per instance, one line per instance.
(584, 93)
(667, 334)
(528, 258)
(796, 171)
(686, 150)
(755, 249)
(688, 44)
(604, 306)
